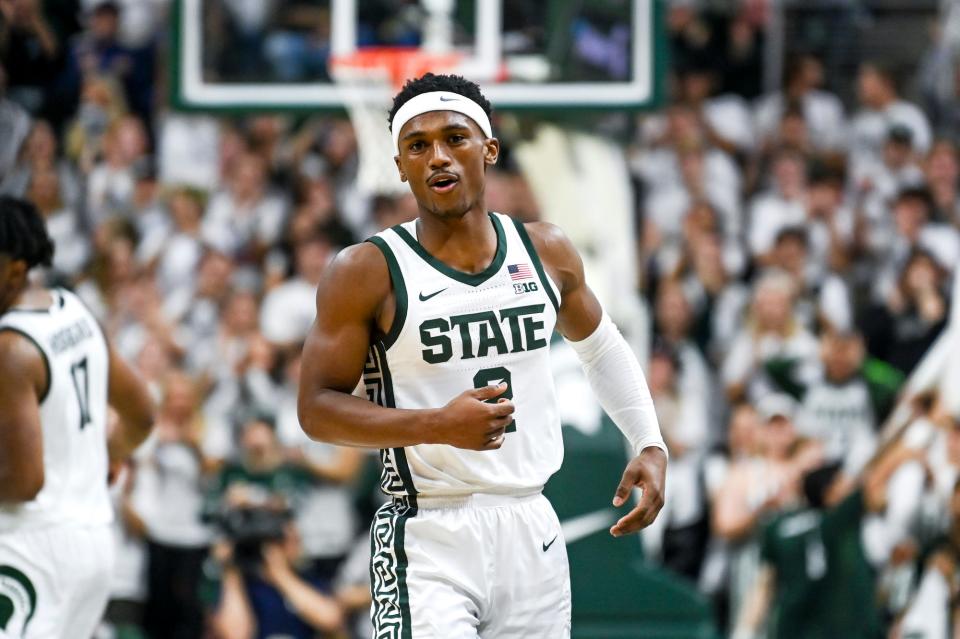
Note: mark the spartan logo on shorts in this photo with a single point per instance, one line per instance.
(18, 601)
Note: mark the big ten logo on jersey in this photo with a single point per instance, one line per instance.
(518, 273)
(511, 330)
(525, 287)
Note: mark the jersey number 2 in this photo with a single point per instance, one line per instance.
(488, 376)
(81, 384)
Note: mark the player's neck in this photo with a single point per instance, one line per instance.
(467, 243)
(31, 298)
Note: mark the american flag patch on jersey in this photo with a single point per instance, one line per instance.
(519, 271)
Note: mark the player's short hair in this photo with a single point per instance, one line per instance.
(430, 82)
(23, 233)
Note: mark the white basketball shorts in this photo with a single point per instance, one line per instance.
(54, 582)
(484, 566)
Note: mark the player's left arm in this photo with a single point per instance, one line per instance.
(128, 395)
(614, 374)
(23, 382)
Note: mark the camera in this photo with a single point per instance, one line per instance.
(249, 529)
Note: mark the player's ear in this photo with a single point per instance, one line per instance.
(491, 151)
(403, 176)
(18, 272)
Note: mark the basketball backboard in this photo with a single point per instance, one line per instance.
(249, 55)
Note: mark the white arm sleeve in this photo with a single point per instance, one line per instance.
(619, 384)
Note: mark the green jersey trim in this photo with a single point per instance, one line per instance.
(400, 469)
(537, 264)
(471, 279)
(402, 562)
(388, 571)
(399, 291)
(43, 354)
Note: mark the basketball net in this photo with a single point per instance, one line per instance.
(368, 79)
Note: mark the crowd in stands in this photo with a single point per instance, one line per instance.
(797, 254)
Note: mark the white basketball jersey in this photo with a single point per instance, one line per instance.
(455, 331)
(73, 416)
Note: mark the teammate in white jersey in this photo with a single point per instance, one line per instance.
(57, 376)
(448, 321)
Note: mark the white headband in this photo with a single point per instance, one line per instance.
(438, 101)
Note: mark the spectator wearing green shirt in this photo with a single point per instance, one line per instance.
(260, 477)
(815, 581)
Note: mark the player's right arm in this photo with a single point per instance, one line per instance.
(128, 395)
(23, 382)
(354, 299)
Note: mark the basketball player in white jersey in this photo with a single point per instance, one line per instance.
(448, 320)
(57, 375)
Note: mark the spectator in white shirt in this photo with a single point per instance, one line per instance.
(197, 309)
(837, 409)
(942, 172)
(726, 118)
(783, 205)
(667, 205)
(933, 612)
(821, 111)
(40, 151)
(180, 254)
(674, 323)
(882, 108)
(681, 529)
(709, 281)
(63, 222)
(289, 309)
(665, 136)
(773, 352)
(246, 217)
(168, 497)
(830, 223)
(822, 298)
(111, 183)
(878, 183)
(911, 231)
(14, 125)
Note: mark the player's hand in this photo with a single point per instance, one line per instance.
(648, 471)
(471, 421)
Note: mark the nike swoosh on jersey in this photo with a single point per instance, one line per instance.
(546, 546)
(424, 298)
(577, 528)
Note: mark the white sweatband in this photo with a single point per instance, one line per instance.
(619, 384)
(438, 101)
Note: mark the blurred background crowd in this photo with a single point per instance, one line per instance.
(795, 249)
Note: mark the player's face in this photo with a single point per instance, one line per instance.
(444, 156)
